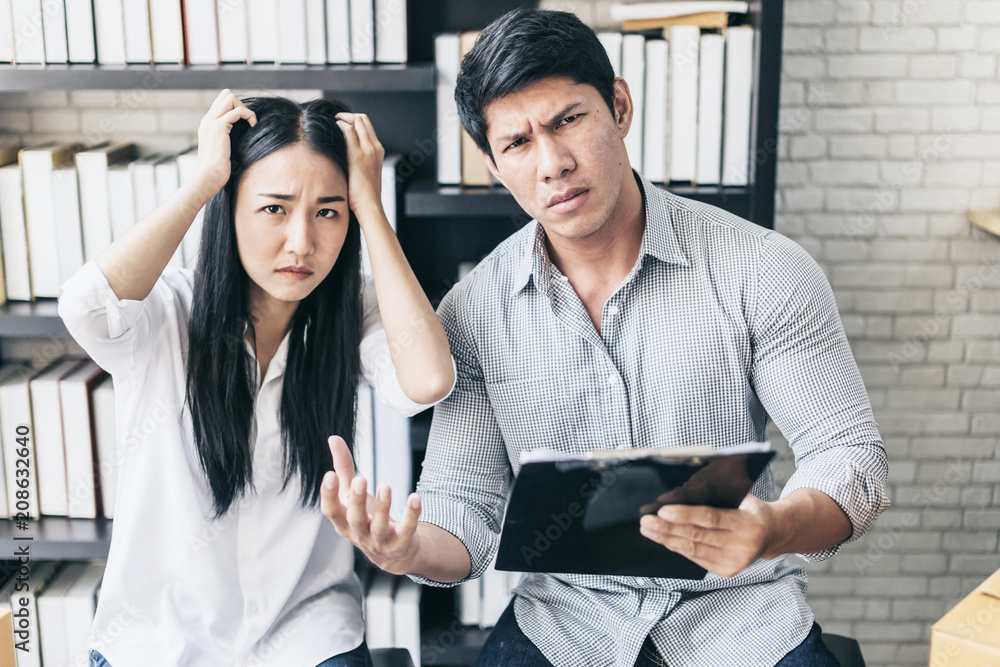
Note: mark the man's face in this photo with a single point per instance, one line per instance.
(559, 150)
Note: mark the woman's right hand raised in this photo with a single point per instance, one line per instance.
(213, 140)
(364, 520)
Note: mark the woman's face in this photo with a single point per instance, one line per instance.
(291, 222)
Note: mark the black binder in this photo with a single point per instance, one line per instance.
(580, 513)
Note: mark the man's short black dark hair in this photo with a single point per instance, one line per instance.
(520, 48)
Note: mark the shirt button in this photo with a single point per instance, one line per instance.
(246, 557)
(612, 310)
(613, 378)
(253, 608)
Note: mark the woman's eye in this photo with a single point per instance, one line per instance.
(273, 209)
(329, 213)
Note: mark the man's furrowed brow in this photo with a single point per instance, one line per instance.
(568, 110)
(562, 113)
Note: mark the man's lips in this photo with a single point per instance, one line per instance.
(568, 200)
(566, 195)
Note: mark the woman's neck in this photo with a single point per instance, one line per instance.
(271, 321)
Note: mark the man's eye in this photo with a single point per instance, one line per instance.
(516, 143)
(569, 119)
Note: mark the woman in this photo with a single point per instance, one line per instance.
(229, 381)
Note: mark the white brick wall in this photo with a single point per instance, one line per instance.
(890, 129)
(912, 112)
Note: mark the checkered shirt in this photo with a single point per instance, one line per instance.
(720, 324)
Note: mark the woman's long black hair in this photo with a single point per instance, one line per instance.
(320, 385)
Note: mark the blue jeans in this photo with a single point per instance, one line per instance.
(359, 657)
(507, 646)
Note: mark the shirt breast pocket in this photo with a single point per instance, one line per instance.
(533, 414)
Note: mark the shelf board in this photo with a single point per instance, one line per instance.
(31, 318)
(425, 198)
(57, 538)
(340, 78)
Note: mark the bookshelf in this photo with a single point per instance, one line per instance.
(438, 227)
(342, 78)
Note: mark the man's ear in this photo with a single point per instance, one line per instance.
(623, 108)
(492, 167)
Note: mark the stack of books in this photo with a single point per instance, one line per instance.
(691, 78)
(203, 32)
(101, 192)
(59, 445)
(53, 605)
(391, 606)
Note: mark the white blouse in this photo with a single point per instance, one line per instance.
(269, 583)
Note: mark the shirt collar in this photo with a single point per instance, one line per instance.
(659, 240)
(277, 361)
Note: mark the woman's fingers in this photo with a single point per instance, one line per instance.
(221, 104)
(380, 514)
(357, 509)
(237, 113)
(350, 135)
(330, 504)
(408, 524)
(343, 462)
(366, 135)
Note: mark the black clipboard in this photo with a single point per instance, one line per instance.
(579, 514)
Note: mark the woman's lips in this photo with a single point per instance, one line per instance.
(295, 273)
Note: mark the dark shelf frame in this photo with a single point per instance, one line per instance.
(372, 78)
(57, 538)
(424, 198)
(31, 318)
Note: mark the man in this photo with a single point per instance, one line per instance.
(624, 316)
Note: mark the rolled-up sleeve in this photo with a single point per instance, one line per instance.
(806, 378)
(466, 471)
(111, 330)
(376, 361)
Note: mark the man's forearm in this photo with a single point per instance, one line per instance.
(440, 555)
(807, 521)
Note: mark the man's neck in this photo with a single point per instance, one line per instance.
(610, 253)
(597, 265)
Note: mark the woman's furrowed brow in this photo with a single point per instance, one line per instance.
(320, 200)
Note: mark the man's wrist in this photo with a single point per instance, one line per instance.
(778, 520)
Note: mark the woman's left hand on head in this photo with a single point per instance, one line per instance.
(364, 159)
